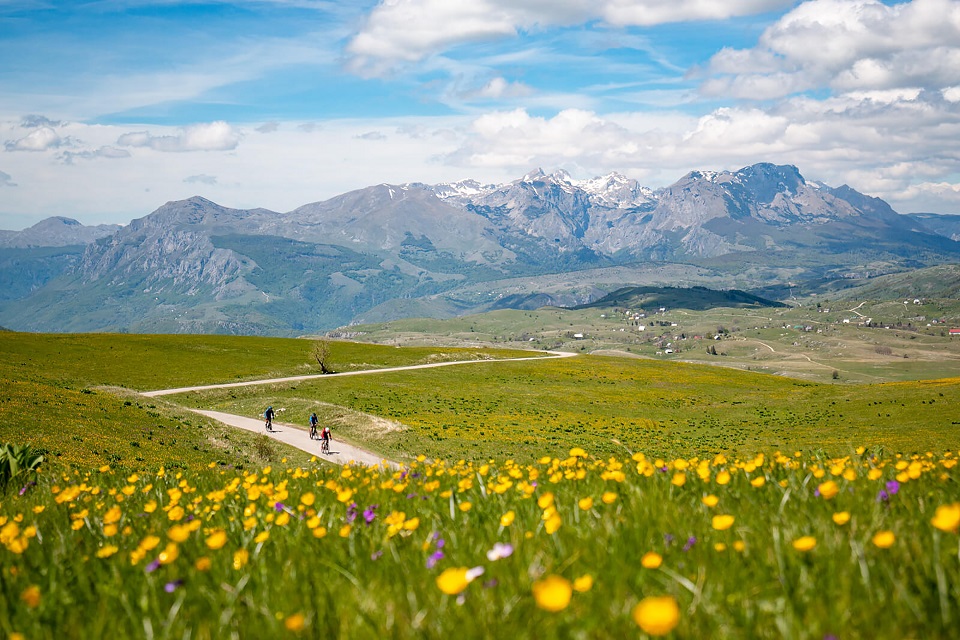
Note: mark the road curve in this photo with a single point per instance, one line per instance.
(314, 376)
(340, 452)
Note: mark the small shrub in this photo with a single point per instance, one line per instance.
(16, 461)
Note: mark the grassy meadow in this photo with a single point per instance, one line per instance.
(610, 406)
(811, 341)
(72, 396)
(586, 497)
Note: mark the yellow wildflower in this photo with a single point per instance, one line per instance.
(31, 596)
(240, 558)
(107, 550)
(947, 517)
(828, 489)
(884, 539)
(583, 583)
(651, 560)
(295, 622)
(216, 539)
(552, 593)
(657, 616)
(453, 580)
(805, 543)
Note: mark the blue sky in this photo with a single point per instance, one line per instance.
(109, 108)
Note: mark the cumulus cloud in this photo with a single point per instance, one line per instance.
(268, 127)
(846, 45)
(214, 136)
(371, 135)
(403, 31)
(37, 140)
(884, 143)
(6, 180)
(201, 179)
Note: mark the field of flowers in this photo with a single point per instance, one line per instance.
(769, 546)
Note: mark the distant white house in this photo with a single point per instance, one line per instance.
(578, 336)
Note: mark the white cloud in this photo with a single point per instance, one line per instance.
(883, 143)
(499, 88)
(6, 180)
(37, 140)
(517, 139)
(371, 135)
(404, 31)
(845, 45)
(215, 136)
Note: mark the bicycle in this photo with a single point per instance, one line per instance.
(268, 425)
(313, 432)
(325, 446)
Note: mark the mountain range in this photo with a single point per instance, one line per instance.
(389, 251)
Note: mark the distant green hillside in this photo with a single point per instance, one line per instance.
(942, 281)
(693, 298)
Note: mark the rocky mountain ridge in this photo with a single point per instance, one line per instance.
(394, 250)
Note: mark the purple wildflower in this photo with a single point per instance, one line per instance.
(434, 558)
(490, 584)
(376, 554)
(170, 587)
(668, 539)
(370, 513)
(28, 485)
(279, 507)
(351, 512)
(893, 487)
(440, 543)
(882, 496)
(153, 566)
(692, 540)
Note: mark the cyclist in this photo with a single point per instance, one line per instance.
(313, 426)
(268, 415)
(325, 440)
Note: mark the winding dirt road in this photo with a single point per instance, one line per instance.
(340, 452)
